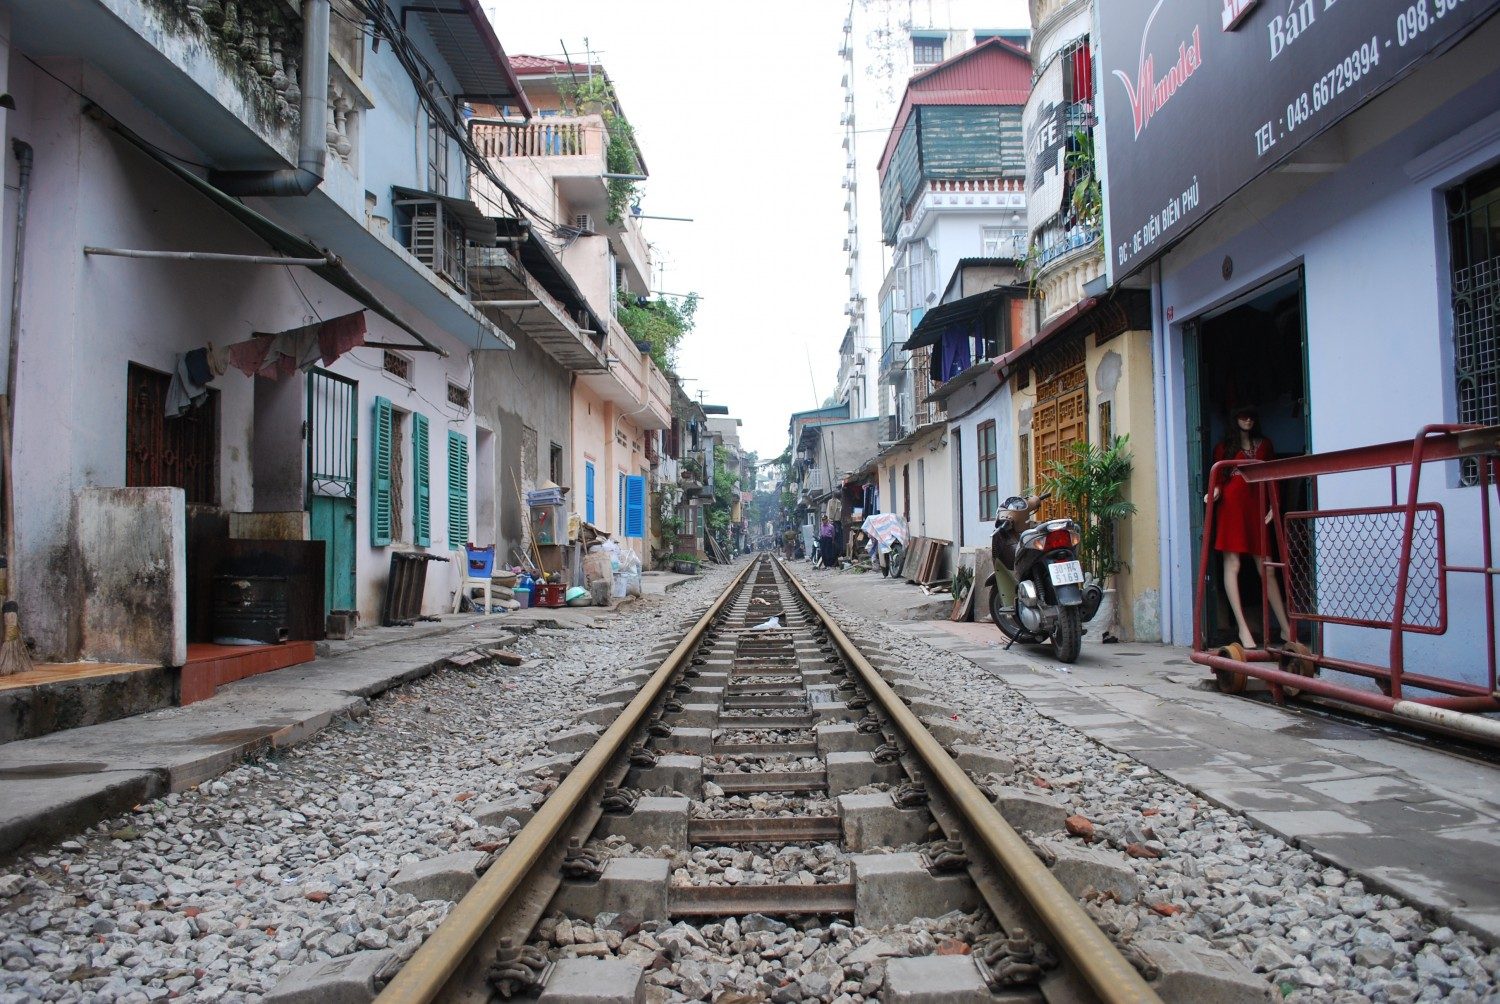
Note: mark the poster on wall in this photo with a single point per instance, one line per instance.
(1199, 97)
(1046, 139)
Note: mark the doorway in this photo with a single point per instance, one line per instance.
(332, 439)
(1249, 352)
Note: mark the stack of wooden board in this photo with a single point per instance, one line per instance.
(926, 560)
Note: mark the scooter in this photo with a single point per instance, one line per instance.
(1053, 597)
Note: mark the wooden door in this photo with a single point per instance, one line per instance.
(1060, 418)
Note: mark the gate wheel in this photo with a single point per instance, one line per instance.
(1299, 661)
(1229, 682)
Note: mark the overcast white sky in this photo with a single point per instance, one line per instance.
(736, 108)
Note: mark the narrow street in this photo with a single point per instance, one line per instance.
(963, 502)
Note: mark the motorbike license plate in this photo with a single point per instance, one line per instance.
(1065, 573)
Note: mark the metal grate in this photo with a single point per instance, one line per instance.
(331, 434)
(1474, 244)
(1343, 565)
(396, 365)
(181, 452)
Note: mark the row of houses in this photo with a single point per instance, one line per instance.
(317, 292)
(1079, 243)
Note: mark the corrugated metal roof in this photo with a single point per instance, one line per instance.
(995, 72)
(466, 41)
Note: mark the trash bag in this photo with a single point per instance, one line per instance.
(774, 622)
(630, 569)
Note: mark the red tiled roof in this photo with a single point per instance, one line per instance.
(994, 72)
(530, 66)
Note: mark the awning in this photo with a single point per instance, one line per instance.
(958, 382)
(945, 315)
(275, 235)
(1004, 364)
(463, 37)
(478, 228)
(543, 265)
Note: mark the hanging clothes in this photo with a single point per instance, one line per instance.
(250, 355)
(186, 391)
(339, 335)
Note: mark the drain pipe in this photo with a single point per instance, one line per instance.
(312, 152)
(11, 589)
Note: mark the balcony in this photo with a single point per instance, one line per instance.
(569, 153)
(496, 274)
(632, 382)
(969, 195)
(1061, 279)
(892, 361)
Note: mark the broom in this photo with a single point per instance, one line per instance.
(14, 658)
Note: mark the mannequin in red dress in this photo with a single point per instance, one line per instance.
(1236, 529)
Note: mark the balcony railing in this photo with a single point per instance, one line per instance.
(549, 137)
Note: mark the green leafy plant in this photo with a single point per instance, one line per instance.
(595, 95)
(1090, 483)
(1088, 194)
(662, 323)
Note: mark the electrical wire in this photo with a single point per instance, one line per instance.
(164, 152)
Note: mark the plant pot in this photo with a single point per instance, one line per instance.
(643, 345)
(1104, 617)
(684, 568)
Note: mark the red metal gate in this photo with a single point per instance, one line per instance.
(1379, 567)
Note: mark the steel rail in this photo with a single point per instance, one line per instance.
(426, 974)
(1096, 959)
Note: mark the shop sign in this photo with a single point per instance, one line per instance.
(1197, 99)
(1044, 127)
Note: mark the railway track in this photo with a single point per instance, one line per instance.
(788, 750)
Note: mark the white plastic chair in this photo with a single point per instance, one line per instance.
(469, 586)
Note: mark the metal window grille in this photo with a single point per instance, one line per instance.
(458, 396)
(396, 365)
(1023, 451)
(1474, 243)
(1106, 424)
(162, 452)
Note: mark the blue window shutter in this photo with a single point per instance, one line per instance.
(635, 506)
(381, 530)
(588, 492)
(421, 513)
(458, 489)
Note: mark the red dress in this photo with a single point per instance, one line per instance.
(1239, 516)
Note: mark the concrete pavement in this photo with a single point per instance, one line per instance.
(1406, 818)
(64, 782)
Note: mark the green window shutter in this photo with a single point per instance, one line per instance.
(421, 513)
(380, 468)
(458, 489)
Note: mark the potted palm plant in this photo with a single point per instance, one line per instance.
(1090, 483)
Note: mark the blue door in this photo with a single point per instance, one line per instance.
(332, 424)
(588, 491)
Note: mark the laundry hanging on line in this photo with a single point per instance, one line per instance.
(273, 355)
(282, 353)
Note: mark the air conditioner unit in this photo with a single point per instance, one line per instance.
(436, 240)
(584, 222)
